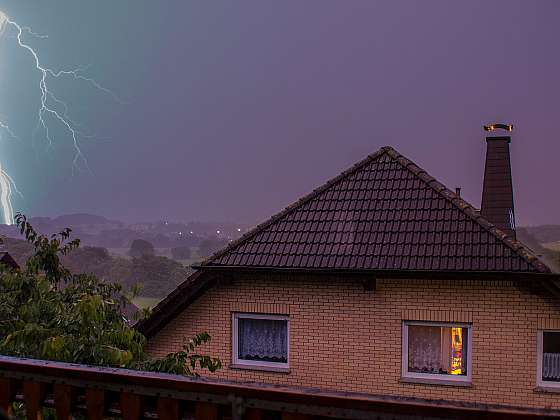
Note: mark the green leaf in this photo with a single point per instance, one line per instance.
(48, 312)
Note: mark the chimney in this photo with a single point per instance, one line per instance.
(497, 193)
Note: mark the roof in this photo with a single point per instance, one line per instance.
(384, 213)
(7, 260)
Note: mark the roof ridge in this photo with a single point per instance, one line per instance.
(518, 247)
(296, 204)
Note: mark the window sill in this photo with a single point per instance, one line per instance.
(259, 368)
(436, 381)
(548, 389)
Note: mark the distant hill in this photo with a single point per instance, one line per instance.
(545, 233)
(83, 219)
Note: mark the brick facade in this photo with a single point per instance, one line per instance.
(345, 338)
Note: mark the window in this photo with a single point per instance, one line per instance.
(260, 341)
(436, 352)
(548, 362)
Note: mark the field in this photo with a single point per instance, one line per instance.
(145, 302)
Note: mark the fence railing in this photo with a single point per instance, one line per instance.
(106, 392)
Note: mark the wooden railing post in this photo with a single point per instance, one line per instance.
(7, 393)
(253, 414)
(131, 406)
(168, 408)
(33, 394)
(95, 402)
(63, 398)
(206, 411)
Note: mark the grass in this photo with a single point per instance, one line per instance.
(145, 302)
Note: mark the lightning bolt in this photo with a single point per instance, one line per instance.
(50, 107)
(6, 183)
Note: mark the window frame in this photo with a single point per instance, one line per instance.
(256, 364)
(435, 377)
(540, 347)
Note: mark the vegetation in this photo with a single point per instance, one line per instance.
(47, 312)
(209, 246)
(181, 253)
(141, 248)
(158, 276)
(142, 302)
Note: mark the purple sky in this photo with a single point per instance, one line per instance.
(235, 109)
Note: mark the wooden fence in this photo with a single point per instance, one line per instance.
(106, 392)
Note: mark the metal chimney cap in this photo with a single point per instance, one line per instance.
(492, 127)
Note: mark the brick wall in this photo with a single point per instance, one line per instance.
(345, 338)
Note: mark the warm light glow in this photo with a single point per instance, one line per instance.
(492, 127)
(456, 351)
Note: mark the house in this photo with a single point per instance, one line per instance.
(382, 281)
(7, 260)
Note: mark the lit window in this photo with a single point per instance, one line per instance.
(436, 351)
(548, 362)
(260, 340)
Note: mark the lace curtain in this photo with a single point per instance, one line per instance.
(263, 339)
(551, 366)
(429, 349)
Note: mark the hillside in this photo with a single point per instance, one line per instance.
(545, 234)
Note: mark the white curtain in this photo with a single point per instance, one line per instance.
(424, 349)
(551, 366)
(263, 339)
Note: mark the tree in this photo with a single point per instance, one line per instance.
(158, 275)
(140, 248)
(89, 259)
(181, 252)
(47, 312)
